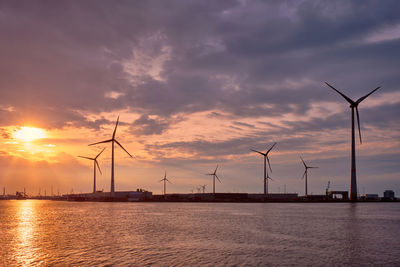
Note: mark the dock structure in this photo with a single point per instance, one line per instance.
(118, 196)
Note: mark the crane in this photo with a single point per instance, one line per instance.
(327, 188)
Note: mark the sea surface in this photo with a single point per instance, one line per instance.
(58, 233)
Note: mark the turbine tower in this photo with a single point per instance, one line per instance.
(265, 155)
(214, 174)
(305, 174)
(112, 140)
(165, 183)
(95, 163)
(353, 105)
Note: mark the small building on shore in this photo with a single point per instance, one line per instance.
(388, 195)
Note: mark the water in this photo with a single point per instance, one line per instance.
(37, 232)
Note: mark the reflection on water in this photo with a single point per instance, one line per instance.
(24, 248)
(192, 234)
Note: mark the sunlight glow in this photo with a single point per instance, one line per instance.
(29, 134)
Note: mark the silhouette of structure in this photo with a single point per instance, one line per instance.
(266, 159)
(112, 140)
(204, 188)
(165, 183)
(305, 174)
(327, 187)
(353, 105)
(95, 163)
(214, 175)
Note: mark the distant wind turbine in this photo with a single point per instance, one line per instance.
(305, 174)
(214, 175)
(353, 105)
(95, 163)
(265, 155)
(112, 140)
(165, 180)
(204, 188)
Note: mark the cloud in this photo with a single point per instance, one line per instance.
(148, 126)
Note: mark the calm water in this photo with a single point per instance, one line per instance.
(36, 232)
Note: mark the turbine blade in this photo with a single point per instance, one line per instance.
(168, 181)
(257, 152)
(165, 175)
(271, 179)
(305, 166)
(123, 148)
(209, 174)
(216, 176)
(270, 148)
(161, 180)
(344, 96)
(313, 167)
(101, 142)
(98, 166)
(216, 169)
(85, 157)
(367, 95)
(304, 174)
(269, 163)
(358, 122)
(100, 153)
(115, 129)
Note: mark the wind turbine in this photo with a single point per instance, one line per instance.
(112, 140)
(165, 183)
(214, 174)
(306, 171)
(353, 105)
(95, 163)
(265, 155)
(204, 188)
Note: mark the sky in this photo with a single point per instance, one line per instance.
(196, 84)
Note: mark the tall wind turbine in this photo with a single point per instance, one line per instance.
(165, 183)
(95, 163)
(305, 174)
(214, 174)
(265, 155)
(112, 140)
(353, 105)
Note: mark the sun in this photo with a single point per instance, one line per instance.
(28, 134)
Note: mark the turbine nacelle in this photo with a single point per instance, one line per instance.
(95, 159)
(165, 178)
(265, 154)
(354, 104)
(306, 167)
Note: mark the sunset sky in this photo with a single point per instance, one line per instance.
(196, 84)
